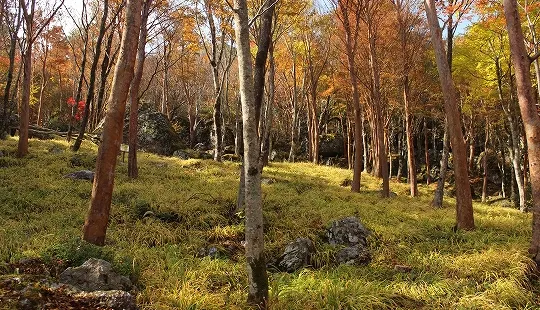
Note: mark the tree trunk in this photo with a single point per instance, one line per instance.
(95, 226)
(263, 45)
(44, 81)
(22, 149)
(471, 146)
(529, 114)
(257, 277)
(411, 159)
(78, 95)
(9, 78)
(439, 191)
(104, 73)
(92, 82)
(378, 138)
(464, 210)
(265, 143)
(133, 170)
(484, 163)
(292, 151)
(426, 154)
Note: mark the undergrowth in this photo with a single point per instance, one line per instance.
(160, 222)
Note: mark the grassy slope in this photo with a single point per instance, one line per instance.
(484, 269)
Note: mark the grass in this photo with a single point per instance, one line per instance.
(42, 214)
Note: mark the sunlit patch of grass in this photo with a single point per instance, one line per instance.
(160, 221)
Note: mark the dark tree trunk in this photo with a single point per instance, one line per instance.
(133, 170)
(92, 82)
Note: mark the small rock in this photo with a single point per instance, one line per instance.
(402, 268)
(181, 154)
(211, 251)
(81, 175)
(114, 299)
(297, 255)
(56, 150)
(353, 255)
(268, 181)
(95, 275)
(1, 154)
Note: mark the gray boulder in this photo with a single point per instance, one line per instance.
(331, 146)
(297, 255)
(181, 154)
(81, 175)
(155, 134)
(95, 275)
(351, 236)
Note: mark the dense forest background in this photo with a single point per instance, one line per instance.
(419, 92)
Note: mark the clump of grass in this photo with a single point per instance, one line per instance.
(42, 215)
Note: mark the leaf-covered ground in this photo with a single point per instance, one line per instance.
(188, 206)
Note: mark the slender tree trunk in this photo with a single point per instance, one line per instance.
(78, 95)
(92, 82)
(95, 226)
(238, 143)
(9, 78)
(104, 73)
(133, 170)
(411, 159)
(266, 141)
(379, 148)
(44, 81)
(484, 163)
(426, 154)
(439, 191)
(263, 45)
(292, 151)
(257, 277)
(471, 146)
(22, 149)
(464, 210)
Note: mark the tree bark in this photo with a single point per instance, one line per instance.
(426, 154)
(257, 277)
(92, 82)
(95, 226)
(133, 169)
(104, 73)
(529, 114)
(9, 78)
(411, 159)
(351, 39)
(484, 163)
(464, 210)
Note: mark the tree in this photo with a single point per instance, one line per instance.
(133, 171)
(95, 225)
(257, 278)
(464, 210)
(93, 72)
(529, 114)
(32, 30)
(349, 11)
(13, 23)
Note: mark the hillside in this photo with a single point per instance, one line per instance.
(160, 222)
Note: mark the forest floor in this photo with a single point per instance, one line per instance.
(190, 204)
